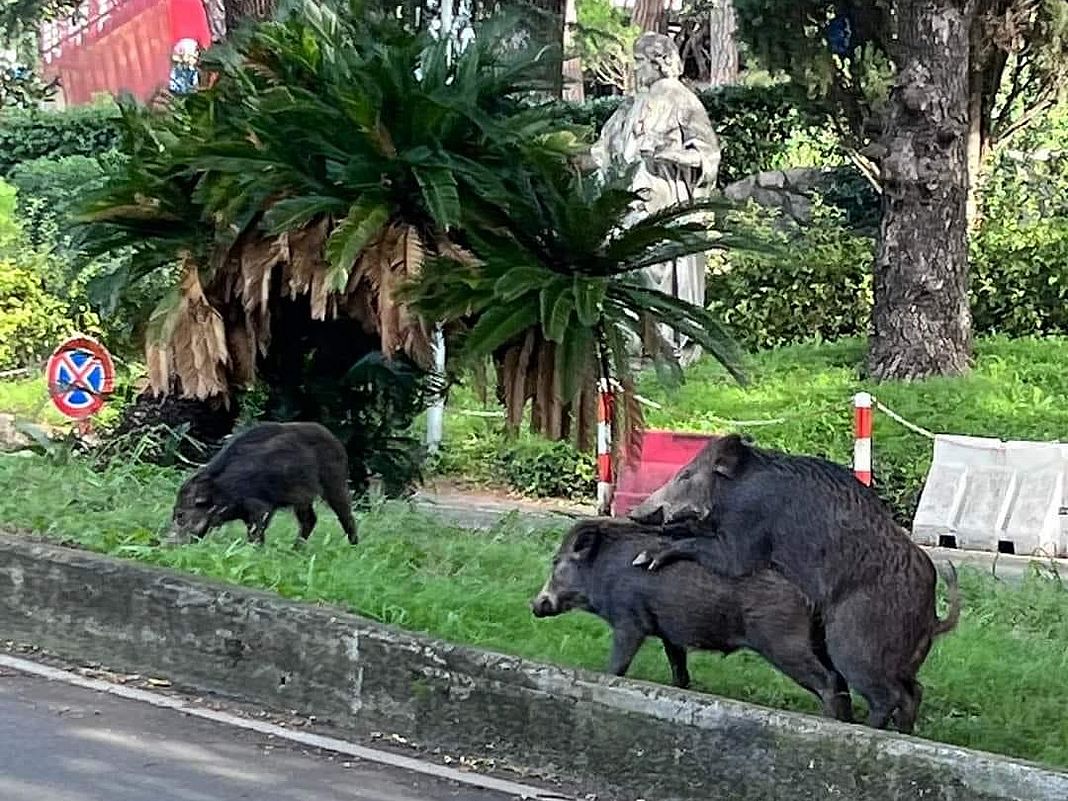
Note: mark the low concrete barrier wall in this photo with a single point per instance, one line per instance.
(620, 739)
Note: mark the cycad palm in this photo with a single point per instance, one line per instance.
(334, 153)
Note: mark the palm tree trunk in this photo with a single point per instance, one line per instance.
(921, 321)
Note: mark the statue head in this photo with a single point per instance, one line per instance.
(655, 57)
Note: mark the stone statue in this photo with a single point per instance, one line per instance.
(665, 131)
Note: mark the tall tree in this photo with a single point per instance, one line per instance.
(707, 41)
(889, 74)
(722, 45)
(921, 322)
(573, 78)
(843, 51)
(648, 15)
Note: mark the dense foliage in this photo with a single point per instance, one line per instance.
(31, 320)
(343, 171)
(822, 291)
(30, 134)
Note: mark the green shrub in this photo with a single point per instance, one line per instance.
(755, 124)
(477, 450)
(1020, 252)
(83, 130)
(49, 190)
(543, 469)
(822, 291)
(32, 319)
(1020, 277)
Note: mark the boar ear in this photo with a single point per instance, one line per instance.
(587, 541)
(731, 454)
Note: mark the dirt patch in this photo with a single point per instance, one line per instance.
(452, 490)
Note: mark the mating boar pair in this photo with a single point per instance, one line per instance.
(788, 555)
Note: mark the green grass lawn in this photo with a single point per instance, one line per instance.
(27, 399)
(1016, 391)
(1000, 682)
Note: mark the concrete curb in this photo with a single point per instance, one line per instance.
(620, 739)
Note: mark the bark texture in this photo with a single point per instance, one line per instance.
(722, 44)
(921, 320)
(648, 15)
(239, 10)
(573, 89)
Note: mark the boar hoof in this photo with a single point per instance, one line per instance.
(642, 559)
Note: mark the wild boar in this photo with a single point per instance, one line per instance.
(267, 467)
(748, 509)
(685, 606)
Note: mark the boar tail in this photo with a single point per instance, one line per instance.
(949, 575)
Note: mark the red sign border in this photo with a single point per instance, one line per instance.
(71, 345)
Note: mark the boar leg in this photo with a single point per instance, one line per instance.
(793, 655)
(626, 640)
(306, 517)
(905, 718)
(680, 673)
(257, 516)
(714, 553)
(337, 498)
(863, 649)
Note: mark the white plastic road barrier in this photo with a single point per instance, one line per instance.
(984, 494)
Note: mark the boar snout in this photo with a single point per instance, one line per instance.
(175, 536)
(544, 605)
(648, 514)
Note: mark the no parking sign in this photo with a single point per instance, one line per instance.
(80, 376)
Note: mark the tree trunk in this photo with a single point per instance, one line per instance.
(722, 44)
(215, 10)
(239, 10)
(573, 80)
(648, 15)
(921, 321)
(984, 84)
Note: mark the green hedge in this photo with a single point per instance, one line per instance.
(821, 292)
(80, 131)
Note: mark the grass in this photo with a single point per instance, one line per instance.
(999, 683)
(1016, 391)
(27, 399)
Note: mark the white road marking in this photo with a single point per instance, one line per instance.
(516, 789)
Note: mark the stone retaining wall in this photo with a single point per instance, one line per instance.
(620, 739)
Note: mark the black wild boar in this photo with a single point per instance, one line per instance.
(685, 606)
(749, 509)
(267, 467)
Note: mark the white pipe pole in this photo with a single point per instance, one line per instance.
(435, 416)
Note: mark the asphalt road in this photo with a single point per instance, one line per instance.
(64, 743)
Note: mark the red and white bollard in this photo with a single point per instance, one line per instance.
(862, 418)
(604, 447)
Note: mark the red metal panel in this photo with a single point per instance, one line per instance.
(663, 454)
(120, 45)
